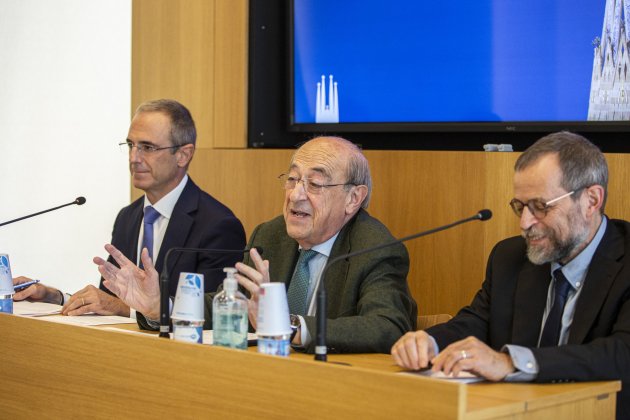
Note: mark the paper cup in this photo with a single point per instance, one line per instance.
(188, 304)
(189, 331)
(6, 281)
(273, 310)
(6, 285)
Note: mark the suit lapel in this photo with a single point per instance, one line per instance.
(599, 279)
(179, 225)
(334, 287)
(284, 261)
(529, 303)
(129, 245)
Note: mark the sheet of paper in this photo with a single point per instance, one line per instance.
(90, 320)
(25, 308)
(141, 332)
(465, 377)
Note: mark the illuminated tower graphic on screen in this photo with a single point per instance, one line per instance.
(327, 108)
(610, 83)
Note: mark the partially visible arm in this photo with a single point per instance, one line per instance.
(376, 308)
(37, 292)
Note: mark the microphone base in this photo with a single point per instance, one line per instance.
(321, 353)
(164, 331)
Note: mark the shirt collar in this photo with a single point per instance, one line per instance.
(166, 204)
(575, 270)
(325, 247)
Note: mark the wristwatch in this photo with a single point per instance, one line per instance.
(295, 326)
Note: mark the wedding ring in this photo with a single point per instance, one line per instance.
(83, 304)
(464, 355)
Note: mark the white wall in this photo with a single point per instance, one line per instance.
(65, 89)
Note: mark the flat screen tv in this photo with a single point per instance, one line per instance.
(457, 74)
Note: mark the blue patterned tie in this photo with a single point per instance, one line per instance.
(551, 333)
(150, 216)
(298, 288)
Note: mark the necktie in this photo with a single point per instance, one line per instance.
(150, 216)
(551, 332)
(298, 288)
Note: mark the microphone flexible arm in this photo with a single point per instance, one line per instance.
(78, 201)
(164, 296)
(320, 337)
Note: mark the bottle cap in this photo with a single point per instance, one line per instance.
(230, 284)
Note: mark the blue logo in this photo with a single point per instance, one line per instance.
(193, 280)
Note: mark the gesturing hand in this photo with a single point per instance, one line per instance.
(251, 279)
(137, 288)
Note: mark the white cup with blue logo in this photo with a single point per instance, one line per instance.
(6, 285)
(273, 327)
(188, 316)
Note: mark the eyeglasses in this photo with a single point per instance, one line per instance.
(143, 147)
(536, 206)
(290, 182)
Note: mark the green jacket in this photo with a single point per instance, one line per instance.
(369, 303)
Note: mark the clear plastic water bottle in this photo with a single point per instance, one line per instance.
(229, 314)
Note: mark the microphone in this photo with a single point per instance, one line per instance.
(320, 338)
(164, 306)
(78, 201)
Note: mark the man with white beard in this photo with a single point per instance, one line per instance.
(555, 304)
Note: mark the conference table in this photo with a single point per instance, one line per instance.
(56, 370)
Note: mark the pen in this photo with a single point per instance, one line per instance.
(21, 286)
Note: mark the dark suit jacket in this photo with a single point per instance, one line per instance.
(198, 221)
(509, 308)
(369, 304)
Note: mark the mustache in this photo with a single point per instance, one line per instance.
(531, 233)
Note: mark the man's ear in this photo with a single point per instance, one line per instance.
(595, 199)
(185, 154)
(355, 198)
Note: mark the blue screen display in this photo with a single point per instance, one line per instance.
(445, 61)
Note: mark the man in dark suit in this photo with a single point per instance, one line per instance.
(161, 144)
(555, 304)
(327, 189)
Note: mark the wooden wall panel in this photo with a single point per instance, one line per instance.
(244, 180)
(498, 191)
(618, 204)
(172, 57)
(413, 190)
(230, 58)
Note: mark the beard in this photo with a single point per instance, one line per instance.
(557, 249)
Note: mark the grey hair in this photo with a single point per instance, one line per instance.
(357, 169)
(358, 172)
(183, 129)
(581, 162)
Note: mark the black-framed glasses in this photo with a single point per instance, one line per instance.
(289, 182)
(536, 206)
(143, 147)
